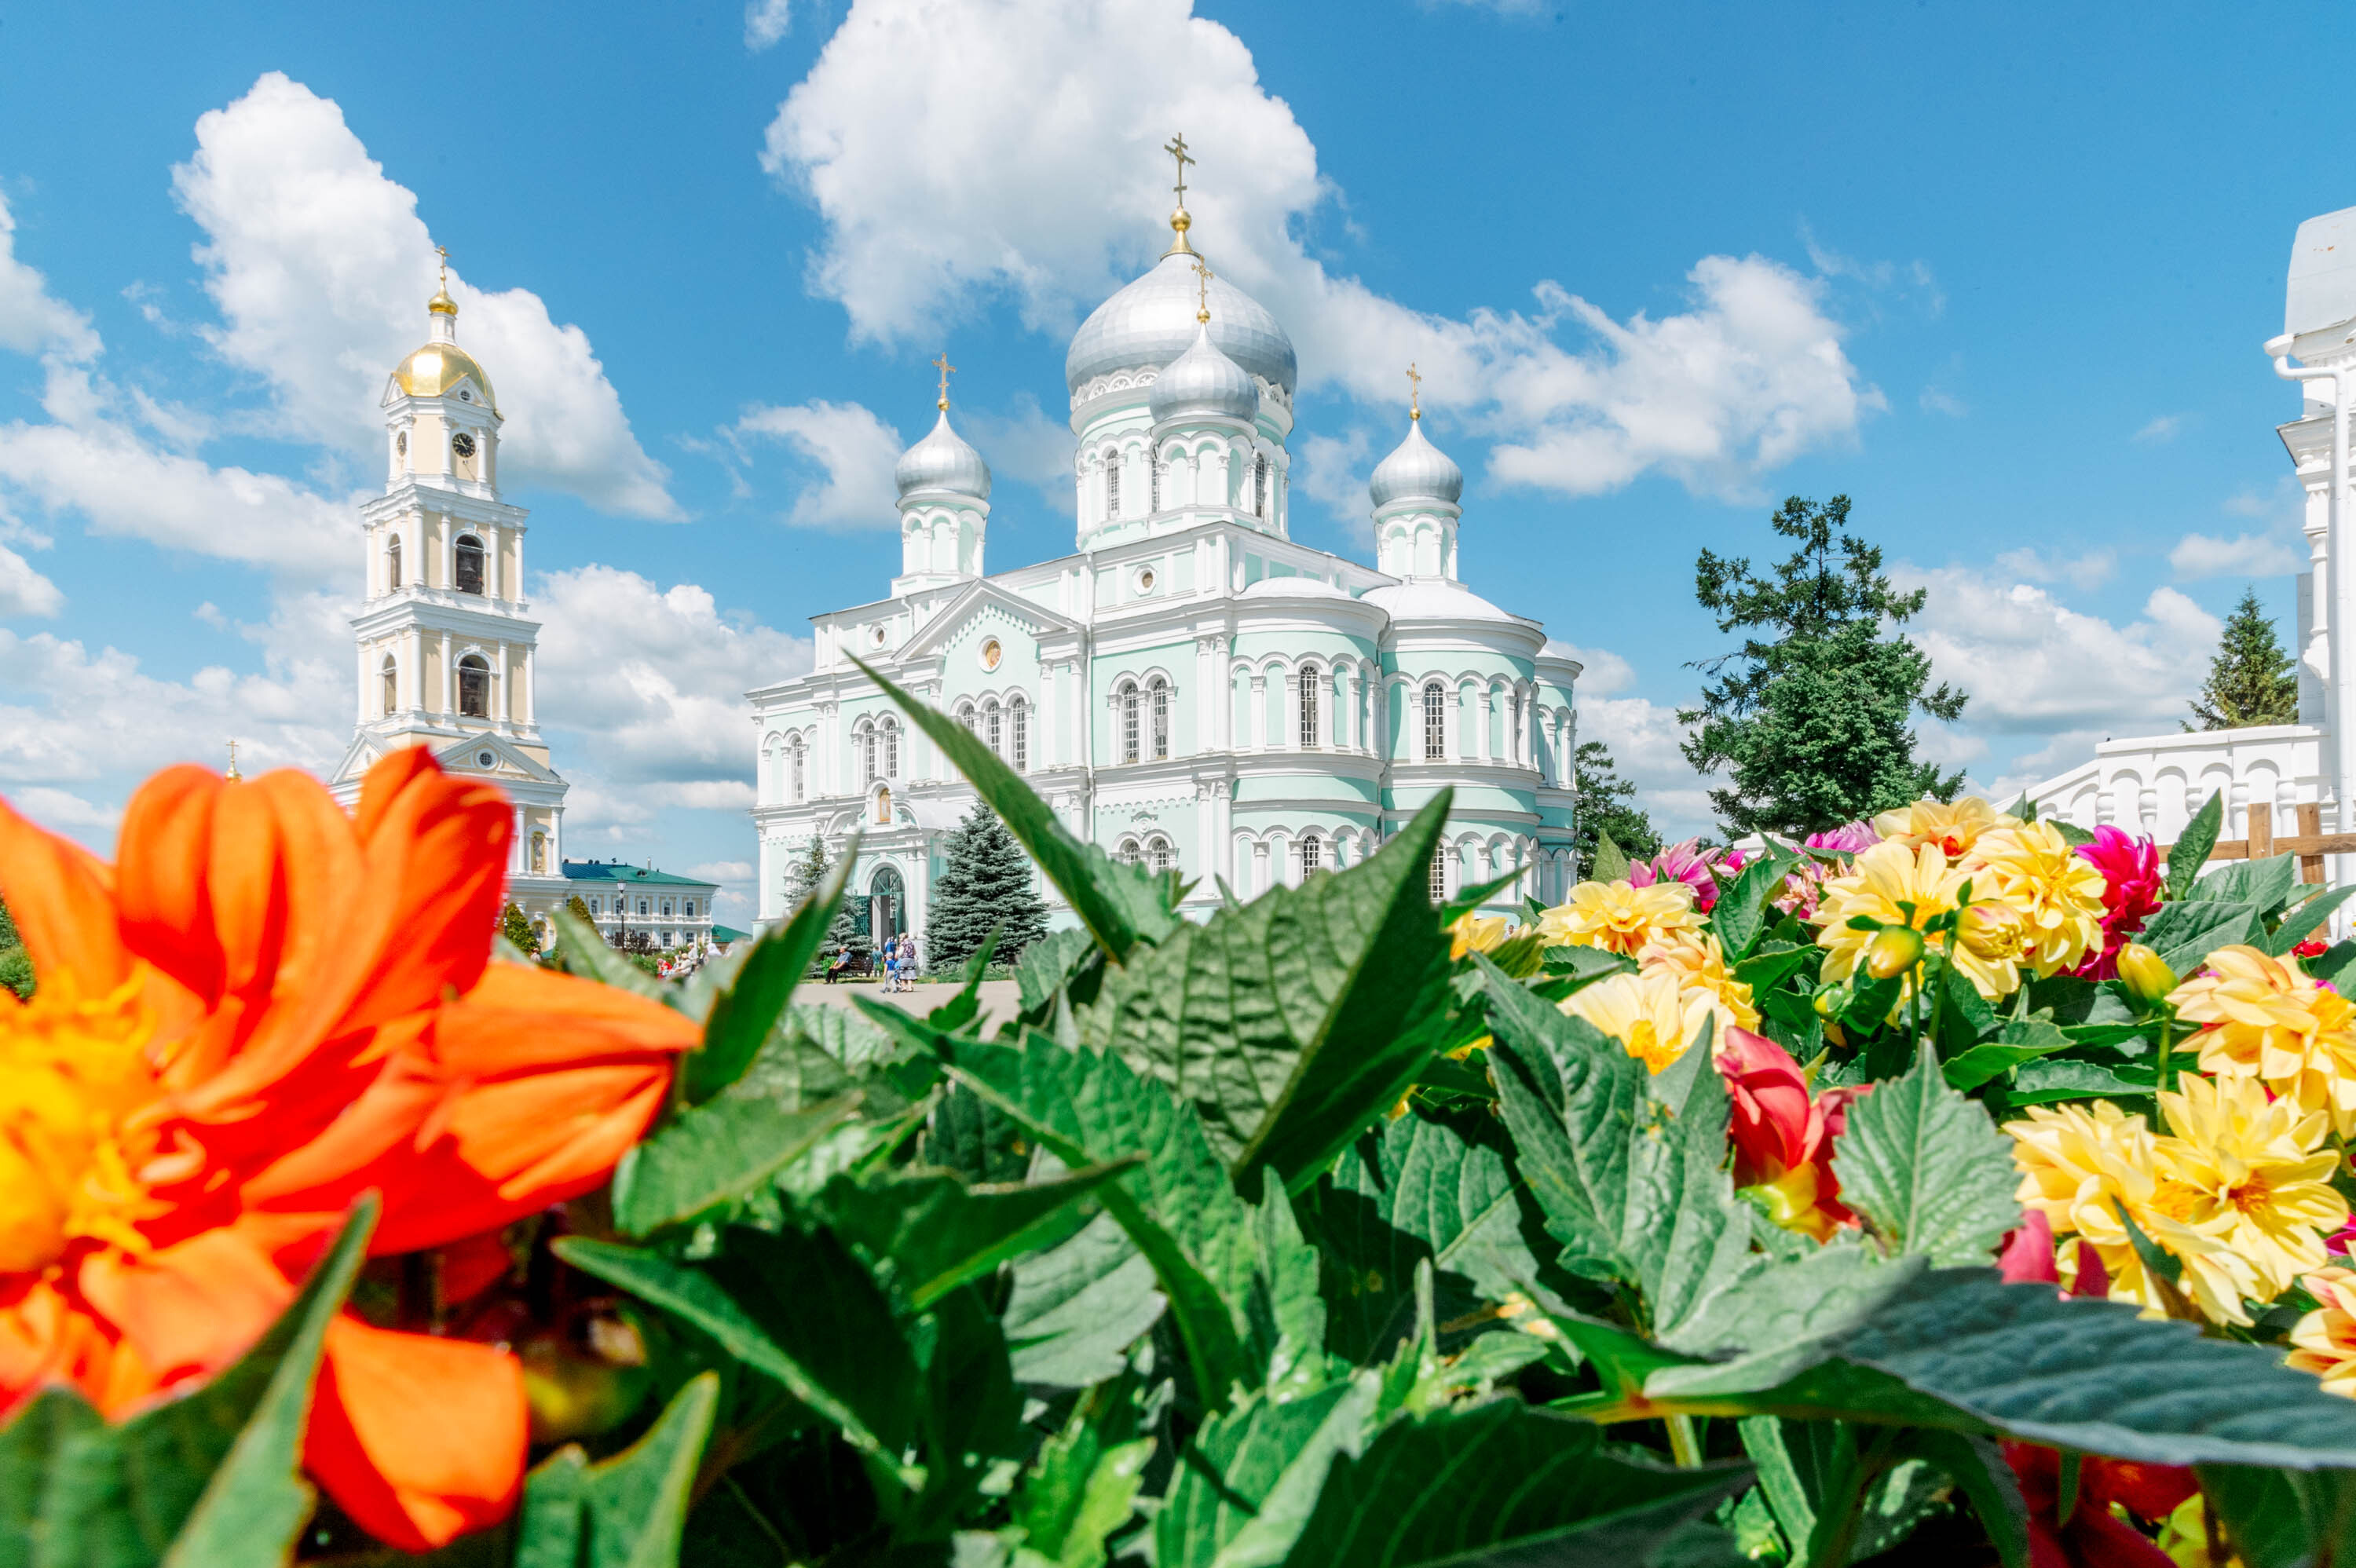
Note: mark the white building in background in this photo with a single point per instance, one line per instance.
(2153, 784)
(673, 911)
(445, 644)
(1191, 688)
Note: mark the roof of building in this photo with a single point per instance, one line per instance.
(1151, 322)
(2322, 290)
(1203, 380)
(1435, 599)
(1292, 587)
(433, 370)
(943, 463)
(1416, 470)
(723, 935)
(623, 871)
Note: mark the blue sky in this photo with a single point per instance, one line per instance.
(2000, 274)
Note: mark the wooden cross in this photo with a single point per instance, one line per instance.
(1414, 393)
(1177, 149)
(942, 362)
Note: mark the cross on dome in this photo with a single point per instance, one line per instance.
(1203, 309)
(1414, 393)
(941, 362)
(442, 304)
(1180, 219)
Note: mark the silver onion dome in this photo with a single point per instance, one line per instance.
(1151, 322)
(1416, 470)
(1202, 381)
(942, 461)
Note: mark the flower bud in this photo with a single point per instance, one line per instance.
(1832, 1001)
(2147, 977)
(1894, 951)
(1992, 931)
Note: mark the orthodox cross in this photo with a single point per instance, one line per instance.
(941, 361)
(444, 252)
(233, 775)
(1414, 393)
(1202, 306)
(1177, 149)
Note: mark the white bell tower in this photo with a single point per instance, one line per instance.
(446, 651)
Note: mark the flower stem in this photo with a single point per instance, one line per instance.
(2159, 1075)
(1685, 1445)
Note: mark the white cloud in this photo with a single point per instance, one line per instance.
(1643, 738)
(31, 320)
(1936, 401)
(2160, 429)
(2244, 555)
(320, 267)
(1601, 672)
(1333, 470)
(651, 683)
(61, 811)
(23, 591)
(766, 21)
(2091, 569)
(1027, 444)
(1009, 148)
(855, 449)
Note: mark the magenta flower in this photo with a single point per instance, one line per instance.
(1846, 840)
(2131, 888)
(1688, 863)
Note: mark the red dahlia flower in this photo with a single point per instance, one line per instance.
(2131, 888)
(1782, 1135)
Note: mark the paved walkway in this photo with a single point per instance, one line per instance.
(1001, 999)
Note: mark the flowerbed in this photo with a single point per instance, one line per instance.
(1950, 1185)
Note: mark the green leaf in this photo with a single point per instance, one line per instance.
(713, 1157)
(1284, 1315)
(2190, 853)
(793, 1305)
(2038, 1083)
(744, 1012)
(973, 1414)
(2284, 1518)
(1927, 1168)
(623, 1512)
(1122, 906)
(1977, 1466)
(1293, 1022)
(1741, 913)
(1501, 1483)
(581, 951)
(2185, 933)
(926, 1233)
(1084, 1485)
(2019, 1041)
(1049, 965)
(1077, 1308)
(212, 1477)
(1961, 1351)
(2264, 885)
(1251, 1476)
(1611, 863)
(2305, 920)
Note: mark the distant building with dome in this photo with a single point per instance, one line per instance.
(1191, 687)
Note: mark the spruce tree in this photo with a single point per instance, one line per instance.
(1813, 720)
(16, 963)
(517, 927)
(2251, 680)
(987, 883)
(580, 911)
(1602, 802)
(846, 934)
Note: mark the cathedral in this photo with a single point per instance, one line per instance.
(1191, 687)
(445, 641)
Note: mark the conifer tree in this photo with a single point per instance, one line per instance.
(845, 933)
(1813, 721)
(579, 910)
(516, 926)
(2251, 680)
(16, 963)
(987, 883)
(1602, 802)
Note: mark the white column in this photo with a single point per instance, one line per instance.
(413, 683)
(517, 852)
(1258, 739)
(449, 675)
(1044, 740)
(361, 653)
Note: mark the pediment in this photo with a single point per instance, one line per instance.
(467, 756)
(979, 600)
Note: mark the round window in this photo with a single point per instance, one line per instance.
(877, 636)
(991, 654)
(465, 396)
(1145, 581)
(485, 759)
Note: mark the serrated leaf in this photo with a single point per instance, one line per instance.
(1611, 863)
(1500, 1483)
(210, 1477)
(1077, 1308)
(1740, 913)
(1292, 1022)
(2185, 933)
(930, 1232)
(713, 1157)
(623, 1512)
(743, 1014)
(2018, 1040)
(2190, 853)
(1083, 1484)
(2043, 1081)
(1251, 1477)
(1048, 965)
(1927, 1168)
(2305, 920)
(1122, 906)
(2261, 885)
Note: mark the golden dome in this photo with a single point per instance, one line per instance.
(435, 369)
(442, 304)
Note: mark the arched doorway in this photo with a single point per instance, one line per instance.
(887, 905)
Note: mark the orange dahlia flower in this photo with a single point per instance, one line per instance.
(264, 1009)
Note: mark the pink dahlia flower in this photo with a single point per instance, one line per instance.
(2131, 888)
(1688, 863)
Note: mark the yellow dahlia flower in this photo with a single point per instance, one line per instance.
(2030, 869)
(1647, 1012)
(1881, 879)
(1699, 968)
(2265, 1020)
(1620, 918)
(2325, 1337)
(1470, 932)
(1952, 829)
(2256, 1164)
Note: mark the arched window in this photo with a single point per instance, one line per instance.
(993, 730)
(470, 564)
(1113, 484)
(1439, 876)
(1154, 480)
(1435, 723)
(865, 740)
(891, 748)
(1128, 853)
(1260, 501)
(1018, 719)
(1160, 854)
(538, 850)
(1161, 719)
(474, 687)
(965, 716)
(1308, 707)
(1311, 856)
(392, 562)
(391, 678)
(1129, 717)
(795, 757)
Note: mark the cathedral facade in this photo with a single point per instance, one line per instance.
(1191, 687)
(445, 641)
